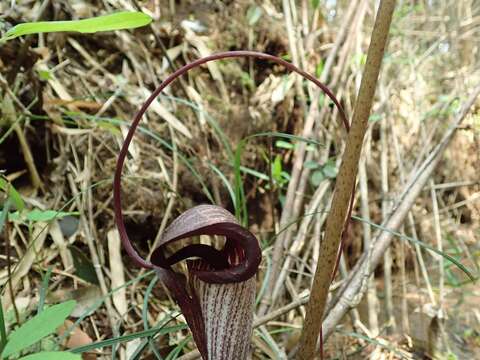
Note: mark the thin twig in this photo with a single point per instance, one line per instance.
(372, 300)
(387, 257)
(9, 111)
(9, 262)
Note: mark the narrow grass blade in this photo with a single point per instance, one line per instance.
(175, 352)
(284, 136)
(44, 289)
(423, 245)
(255, 173)
(241, 212)
(125, 338)
(3, 330)
(12, 194)
(266, 280)
(146, 298)
(375, 342)
(225, 182)
(118, 21)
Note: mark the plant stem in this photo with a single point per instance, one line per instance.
(11, 115)
(345, 182)
(3, 330)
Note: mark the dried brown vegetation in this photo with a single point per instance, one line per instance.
(67, 99)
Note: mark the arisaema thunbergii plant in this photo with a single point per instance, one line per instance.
(217, 295)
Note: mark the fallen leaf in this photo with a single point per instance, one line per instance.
(116, 270)
(77, 337)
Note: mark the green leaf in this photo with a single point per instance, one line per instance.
(283, 144)
(311, 165)
(44, 75)
(310, 147)
(452, 356)
(317, 177)
(315, 3)
(47, 215)
(321, 100)
(83, 266)
(38, 327)
(319, 69)
(330, 170)
(277, 168)
(360, 59)
(39, 215)
(247, 80)
(253, 14)
(14, 216)
(118, 21)
(4, 213)
(374, 118)
(12, 194)
(52, 355)
(285, 176)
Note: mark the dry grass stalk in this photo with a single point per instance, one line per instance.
(386, 206)
(353, 289)
(298, 184)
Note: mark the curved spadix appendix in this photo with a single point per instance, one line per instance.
(217, 297)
